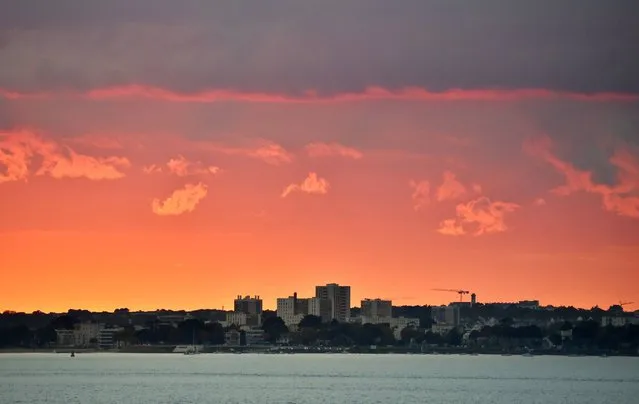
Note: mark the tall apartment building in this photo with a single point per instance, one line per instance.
(248, 305)
(376, 308)
(320, 307)
(448, 315)
(340, 297)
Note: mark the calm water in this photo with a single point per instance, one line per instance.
(315, 378)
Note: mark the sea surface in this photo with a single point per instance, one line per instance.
(315, 378)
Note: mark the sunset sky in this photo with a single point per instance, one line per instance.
(163, 154)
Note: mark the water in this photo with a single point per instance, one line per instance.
(315, 378)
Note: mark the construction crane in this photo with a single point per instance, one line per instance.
(459, 291)
(625, 303)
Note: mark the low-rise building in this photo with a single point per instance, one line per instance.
(106, 337)
(232, 337)
(242, 319)
(253, 335)
(65, 337)
(397, 324)
(618, 321)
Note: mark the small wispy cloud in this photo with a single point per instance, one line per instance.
(181, 201)
(312, 184)
(264, 150)
(421, 193)
(319, 149)
(450, 189)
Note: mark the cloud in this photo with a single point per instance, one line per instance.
(451, 227)
(421, 193)
(368, 94)
(311, 185)
(181, 201)
(97, 141)
(450, 188)
(319, 149)
(267, 151)
(478, 217)
(181, 167)
(279, 48)
(621, 198)
(152, 169)
(18, 148)
(74, 165)
(539, 202)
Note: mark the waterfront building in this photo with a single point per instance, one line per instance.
(248, 305)
(340, 297)
(376, 308)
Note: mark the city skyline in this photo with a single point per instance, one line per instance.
(155, 154)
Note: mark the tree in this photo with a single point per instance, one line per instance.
(311, 321)
(453, 338)
(274, 327)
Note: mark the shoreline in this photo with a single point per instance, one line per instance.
(291, 351)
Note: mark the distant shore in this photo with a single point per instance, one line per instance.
(319, 350)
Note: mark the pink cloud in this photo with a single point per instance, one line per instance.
(450, 188)
(74, 165)
(421, 194)
(620, 198)
(181, 167)
(312, 184)
(181, 201)
(97, 141)
(152, 169)
(136, 91)
(539, 202)
(478, 217)
(267, 151)
(18, 148)
(319, 149)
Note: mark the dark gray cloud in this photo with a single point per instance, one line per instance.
(331, 46)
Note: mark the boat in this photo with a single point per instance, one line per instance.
(192, 349)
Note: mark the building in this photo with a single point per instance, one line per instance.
(253, 335)
(248, 305)
(106, 337)
(82, 335)
(618, 321)
(528, 304)
(376, 308)
(340, 297)
(320, 307)
(292, 310)
(65, 337)
(232, 338)
(397, 324)
(87, 333)
(473, 299)
(446, 315)
(241, 319)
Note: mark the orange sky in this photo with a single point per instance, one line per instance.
(164, 155)
(186, 205)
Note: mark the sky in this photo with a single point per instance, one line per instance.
(164, 155)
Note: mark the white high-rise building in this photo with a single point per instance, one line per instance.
(340, 297)
(292, 310)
